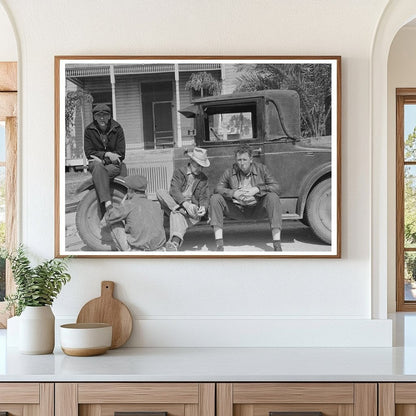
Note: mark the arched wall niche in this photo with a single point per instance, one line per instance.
(396, 15)
(9, 50)
(401, 74)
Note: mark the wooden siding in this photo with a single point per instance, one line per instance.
(129, 114)
(129, 108)
(187, 124)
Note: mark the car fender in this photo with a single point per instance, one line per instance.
(88, 184)
(321, 172)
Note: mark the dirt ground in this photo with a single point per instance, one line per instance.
(296, 238)
(72, 181)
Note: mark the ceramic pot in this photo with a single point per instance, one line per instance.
(83, 340)
(37, 330)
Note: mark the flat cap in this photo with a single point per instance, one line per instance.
(101, 108)
(136, 182)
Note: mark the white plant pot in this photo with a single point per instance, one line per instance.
(37, 330)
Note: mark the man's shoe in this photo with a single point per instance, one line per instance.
(277, 246)
(103, 222)
(220, 248)
(171, 246)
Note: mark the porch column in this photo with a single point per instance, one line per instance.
(113, 91)
(178, 103)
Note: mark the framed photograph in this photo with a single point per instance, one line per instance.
(198, 156)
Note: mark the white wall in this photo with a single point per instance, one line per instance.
(8, 45)
(212, 302)
(401, 74)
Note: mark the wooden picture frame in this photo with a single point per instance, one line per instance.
(286, 109)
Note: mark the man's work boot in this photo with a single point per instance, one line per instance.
(171, 246)
(277, 246)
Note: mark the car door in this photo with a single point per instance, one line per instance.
(223, 127)
(293, 160)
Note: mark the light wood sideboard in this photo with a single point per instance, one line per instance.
(208, 399)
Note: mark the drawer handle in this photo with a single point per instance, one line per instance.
(139, 414)
(295, 413)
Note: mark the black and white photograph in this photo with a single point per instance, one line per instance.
(197, 156)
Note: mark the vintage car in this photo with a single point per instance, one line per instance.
(269, 122)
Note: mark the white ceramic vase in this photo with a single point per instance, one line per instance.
(37, 330)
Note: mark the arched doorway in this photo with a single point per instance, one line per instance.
(395, 16)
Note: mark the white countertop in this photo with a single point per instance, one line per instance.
(215, 364)
(221, 364)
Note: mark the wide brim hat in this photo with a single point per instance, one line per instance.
(199, 155)
(136, 182)
(101, 108)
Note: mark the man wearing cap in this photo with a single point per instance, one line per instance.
(188, 197)
(247, 190)
(105, 148)
(137, 223)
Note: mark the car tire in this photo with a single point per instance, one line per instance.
(88, 221)
(318, 210)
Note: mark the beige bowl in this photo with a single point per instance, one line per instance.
(83, 340)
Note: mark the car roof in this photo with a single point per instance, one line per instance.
(285, 122)
(272, 94)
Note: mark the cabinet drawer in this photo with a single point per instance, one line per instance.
(21, 399)
(309, 399)
(138, 393)
(397, 399)
(107, 399)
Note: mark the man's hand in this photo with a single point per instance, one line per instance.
(251, 191)
(238, 194)
(114, 157)
(246, 196)
(191, 209)
(201, 211)
(95, 159)
(248, 200)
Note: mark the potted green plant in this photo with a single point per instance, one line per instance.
(36, 289)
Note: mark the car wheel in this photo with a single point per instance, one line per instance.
(318, 210)
(88, 221)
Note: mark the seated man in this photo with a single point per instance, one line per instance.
(247, 190)
(105, 148)
(143, 219)
(188, 197)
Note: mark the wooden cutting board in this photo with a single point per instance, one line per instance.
(108, 310)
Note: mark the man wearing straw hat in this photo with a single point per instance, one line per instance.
(137, 223)
(188, 197)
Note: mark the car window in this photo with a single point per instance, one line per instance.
(230, 123)
(274, 128)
